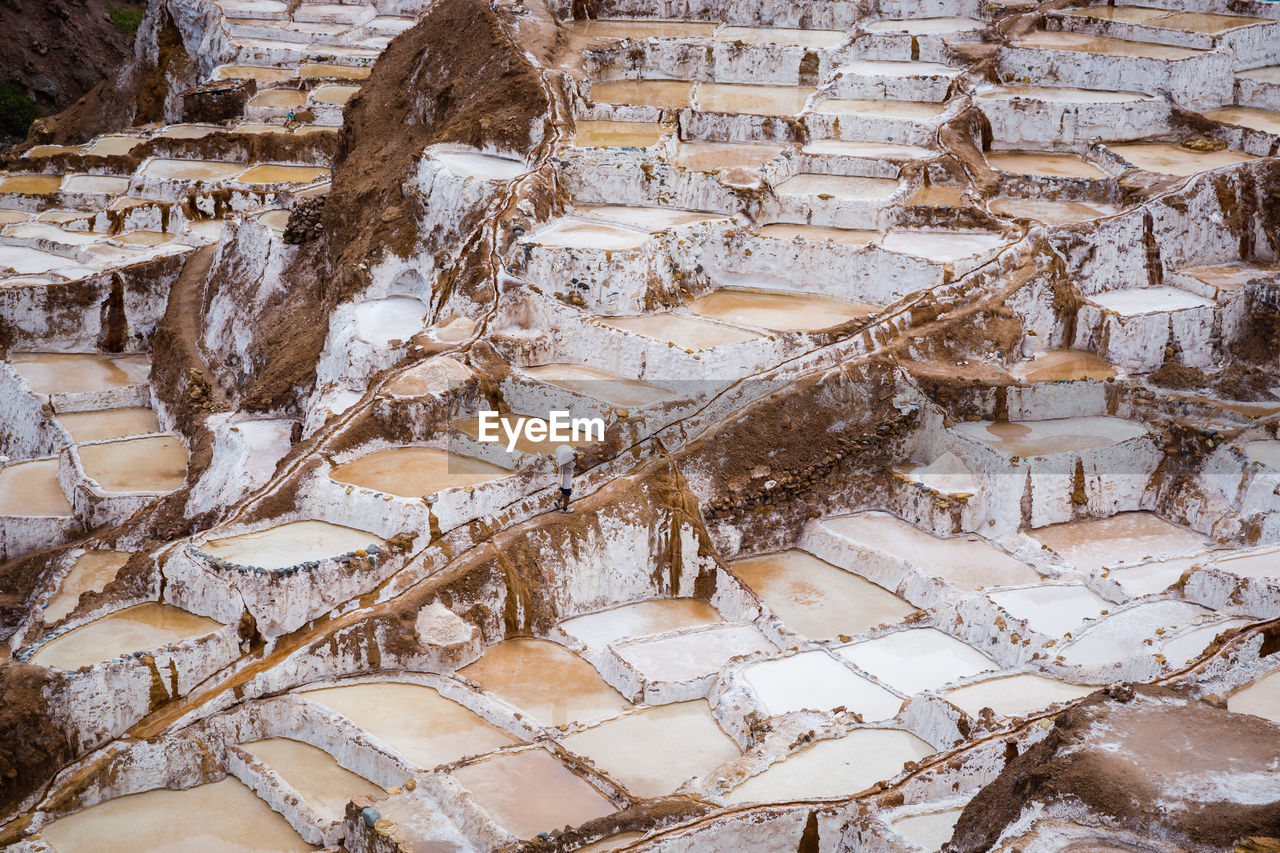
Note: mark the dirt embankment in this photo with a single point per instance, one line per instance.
(455, 77)
(55, 51)
(33, 748)
(1145, 760)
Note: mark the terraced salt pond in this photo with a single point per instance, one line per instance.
(928, 831)
(31, 489)
(817, 681)
(600, 384)
(290, 544)
(1260, 698)
(1057, 435)
(1052, 609)
(717, 156)
(598, 630)
(150, 465)
(616, 134)
(682, 331)
(531, 791)
(941, 246)
(653, 751)
(1015, 695)
(416, 721)
(138, 628)
(664, 94)
(778, 311)
(1044, 164)
(415, 471)
(1175, 160)
(842, 187)
(485, 167)
(1060, 365)
(967, 562)
(834, 768)
(741, 98)
(916, 660)
(1124, 539)
(74, 373)
(816, 599)
(217, 817)
(322, 783)
(546, 681)
(91, 571)
(817, 234)
(1080, 43)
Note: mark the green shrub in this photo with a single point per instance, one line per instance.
(125, 20)
(17, 111)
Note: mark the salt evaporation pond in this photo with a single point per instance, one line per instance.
(811, 38)
(682, 331)
(616, 134)
(653, 751)
(414, 720)
(626, 29)
(337, 95)
(1260, 698)
(947, 474)
(415, 471)
(485, 167)
(190, 170)
(1052, 609)
(76, 373)
(816, 599)
(1056, 435)
(663, 94)
(218, 817)
(925, 26)
(126, 466)
(530, 792)
(276, 173)
(576, 233)
(1044, 164)
(380, 321)
(290, 544)
(599, 384)
(1175, 160)
(91, 572)
(649, 218)
(842, 187)
(834, 768)
(1014, 695)
(546, 681)
(1063, 365)
(1124, 635)
(941, 246)
(1265, 452)
(915, 110)
(598, 630)
(778, 311)
(1185, 648)
(916, 660)
(717, 156)
(1078, 42)
(322, 783)
(1259, 563)
(693, 653)
(817, 234)
(817, 681)
(929, 830)
(1136, 301)
(1124, 539)
(31, 489)
(1051, 212)
(742, 98)
(139, 628)
(966, 562)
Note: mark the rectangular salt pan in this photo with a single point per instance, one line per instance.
(290, 544)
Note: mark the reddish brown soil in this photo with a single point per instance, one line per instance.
(71, 44)
(33, 748)
(455, 77)
(1141, 766)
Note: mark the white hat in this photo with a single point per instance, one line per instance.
(564, 455)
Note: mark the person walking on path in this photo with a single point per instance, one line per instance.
(564, 457)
